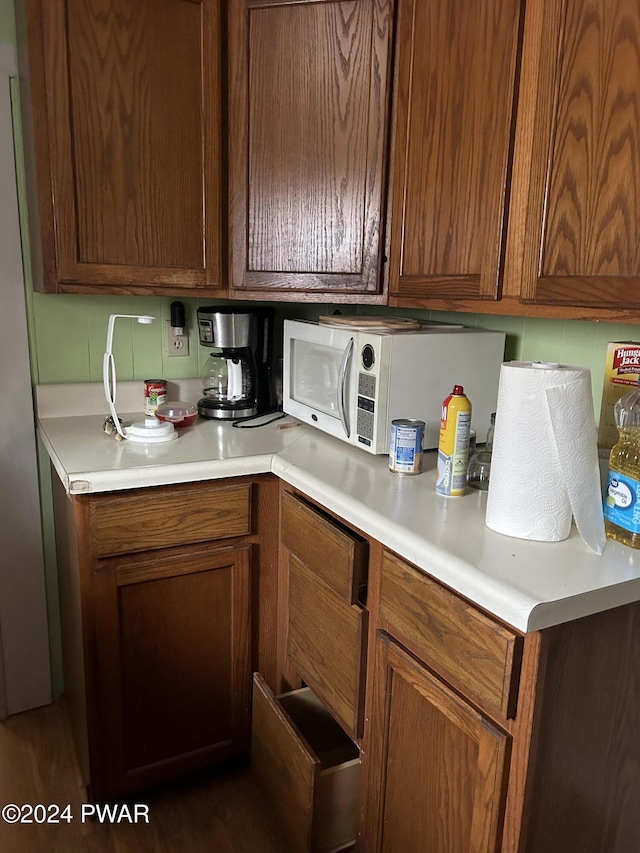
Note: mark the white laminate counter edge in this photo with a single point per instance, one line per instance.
(529, 585)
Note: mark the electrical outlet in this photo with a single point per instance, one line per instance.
(175, 347)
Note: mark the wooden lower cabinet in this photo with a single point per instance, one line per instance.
(307, 768)
(173, 652)
(324, 571)
(483, 740)
(164, 600)
(305, 751)
(326, 644)
(439, 768)
(475, 737)
(463, 735)
(445, 711)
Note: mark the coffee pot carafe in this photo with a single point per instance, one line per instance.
(229, 378)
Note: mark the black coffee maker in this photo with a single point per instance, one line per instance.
(237, 379)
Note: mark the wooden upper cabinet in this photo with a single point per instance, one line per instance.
(575, 231)
(308, 117)
(455, 72)
(126, 106)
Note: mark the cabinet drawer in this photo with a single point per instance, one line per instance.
(334, 554)
(307, 768)
(327, 644)
(146, 519)
(476, 654)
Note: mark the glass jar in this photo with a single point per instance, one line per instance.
(479, 468)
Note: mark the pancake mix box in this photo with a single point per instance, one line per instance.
(621, 373)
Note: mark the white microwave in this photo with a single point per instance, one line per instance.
(352, 382)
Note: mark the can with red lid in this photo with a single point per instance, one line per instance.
(453, 446)
(155, 394)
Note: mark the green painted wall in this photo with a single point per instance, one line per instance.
(7, 23)
(69, 337)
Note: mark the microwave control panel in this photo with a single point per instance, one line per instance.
(372, 384)
(371, 391)
(366, 408)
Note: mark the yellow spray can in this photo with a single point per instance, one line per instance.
(453, 446)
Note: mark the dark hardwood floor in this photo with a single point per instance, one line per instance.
(218, 811)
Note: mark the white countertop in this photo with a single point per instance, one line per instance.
(530, 585)
(88, 460)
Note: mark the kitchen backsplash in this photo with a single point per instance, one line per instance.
(69, 334)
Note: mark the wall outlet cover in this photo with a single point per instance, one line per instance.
(175, 346)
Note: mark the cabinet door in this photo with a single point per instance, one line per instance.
(437, 767)
(306, 768)
(454, 100)
(574, 238)
(475, 653)
(327, 645)
(308, 98)
(326, 621)
(173, 652)
(126, 106)
(331, 551)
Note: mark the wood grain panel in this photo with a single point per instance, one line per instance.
(132, 149)
(308, 115)
(159, 644)
(335, 555)
(306, 767)
(454, 96)
(327, 645)
(472, 651)
(266, 588)
(283, 765)
(299, 150)
(173, 654)
(138, 520)
(134, 87)
(593, 220)
(180, 627)
(76, 650)
(584, 788)
(455, 758)
(576, 227)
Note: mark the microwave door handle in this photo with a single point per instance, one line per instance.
(342, 386)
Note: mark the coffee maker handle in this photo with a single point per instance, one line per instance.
(342, 387)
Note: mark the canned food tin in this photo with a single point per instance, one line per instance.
(405, 452)
(155, 394)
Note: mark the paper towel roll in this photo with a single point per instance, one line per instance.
(544, 467)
